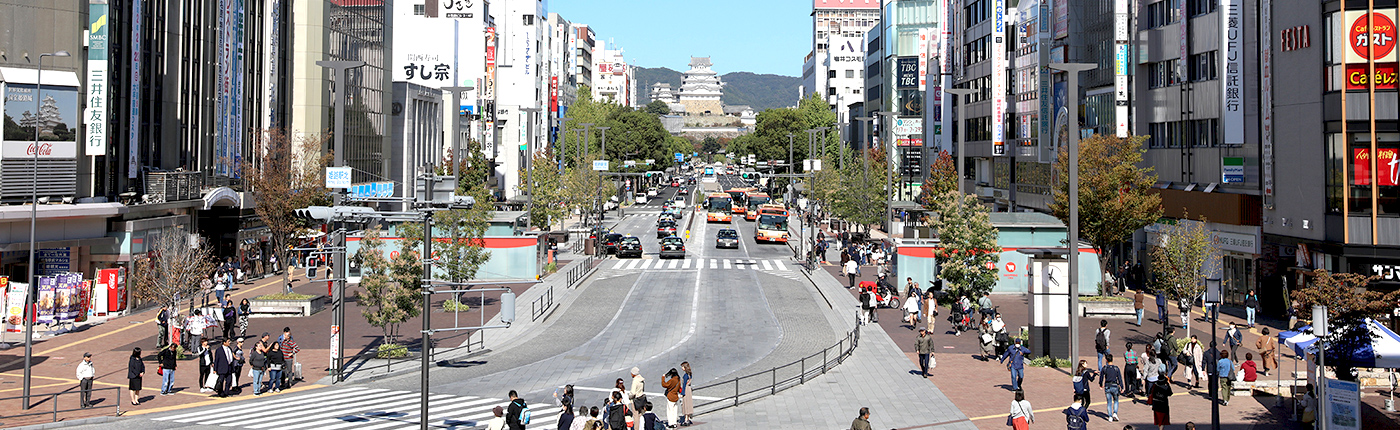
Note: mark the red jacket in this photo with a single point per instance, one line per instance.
(1250, 371)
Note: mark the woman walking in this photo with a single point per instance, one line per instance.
(1160, 400)
(1022, 414)
(243, 309)
(1195, 368)
(987, 340)
(135, 369)
(1083, 375)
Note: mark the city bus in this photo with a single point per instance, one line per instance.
(719, 207)
(753, 200)
(772, 224)
(738, 195)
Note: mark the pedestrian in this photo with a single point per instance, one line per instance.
(244, 309)
(672, 383)
(1293, 307)
(909, 286)
(687, 400)
(566, 418)
(1022, 414)
(499, 421)
(1183, 306)
(911, 307)
(163, 327)
(220, 285)
(930, 309)
(1077, 414)
(275, 361)
(195, 326)
(239, 359)
(1150, 369)
(1193, 358)
(257, 363)
(984, 307)
(1268, 350)
(1017, 366)
(168, 362)
(290, 371)
(987, 340)
(1224, 369)
(1101, 342)
(867, 305)
(616, 413)
(581, 420)
(1251, 370)
(923, 345)
(513, 412)
(999, 334)
(223, 367)
(1234, 338)
(206, 359)
(637, 395)
(1112, 383)
(1170, 353)
(1161, 307)
(851, 269)
(86, 372)
(862, 421)
(648, 419)
(1137, 305)
(1160, 399)
(1251, 305)
(1083, 376)
(1131, 378)
(230, 314)
(135, 369)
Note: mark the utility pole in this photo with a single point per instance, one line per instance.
(1073, 70)
(790, 171)
(889, 174)
(529, 164)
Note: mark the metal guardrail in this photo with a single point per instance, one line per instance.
(744, 389)
(52, 398)
(542, 305)
(577, 273)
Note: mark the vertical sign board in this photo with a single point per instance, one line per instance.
(1122, 62)
(1232, 61)
(1183, 43)
(1232, 170)
(273, 44)
(1266, 100)
(998, 77)
(1343, 405)
(1045, 100)
(923, 58)
(133, 143)
(96, 115)
(941, 111)
(229, 112)
(15, 297)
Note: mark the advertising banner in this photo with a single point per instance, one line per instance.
(96, 116)
(924, 36)
(1382, 34)
(1358, 76)
(906, 73)
(1266, 101)
(1387, 167)
(1232, 170)
(14, 304)
(1343, 405)
(47, 285)
(133, 161)
(998, 77)
(115, 282)
(228, 150)
(908, 126)
(54, 111)
(489, 84)
(1061, 18)
(52, 261)
(1232, 68)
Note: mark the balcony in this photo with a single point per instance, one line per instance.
(164, 187)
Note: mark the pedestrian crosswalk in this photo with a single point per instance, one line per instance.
(359, 408)
(700, 263)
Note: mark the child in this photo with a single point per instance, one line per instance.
(649, 419)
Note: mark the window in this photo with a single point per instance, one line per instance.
(873, 69)
(418, 9)
(1197, 8)
(830, 74)
(1163, 73)
(527, 19)
(1203, 66)
(831, 91)
(850, 73)
(1163, 12)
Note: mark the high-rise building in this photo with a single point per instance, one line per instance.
(582, 41)
(835, 68)
(612, 78)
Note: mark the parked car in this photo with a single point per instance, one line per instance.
(610, 242)
(641, 199)
(665, 228)
(629, 246)
(727, 238)
(672, 247)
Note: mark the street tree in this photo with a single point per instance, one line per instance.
(968, 252)
(584, 111)
(1115, 195)
(710, 145)
(549, 193)
(383, 301)
(1349, 303)
(942, 179)
(285, 174)
(174, 264)
(1183, 258)
(658, 107)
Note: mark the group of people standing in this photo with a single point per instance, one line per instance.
(626, 407)
(220, 360)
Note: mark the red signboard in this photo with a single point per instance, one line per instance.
(1357, 73)
(912, 141)
(554, 94)
(1382, 35)
(1387, 167)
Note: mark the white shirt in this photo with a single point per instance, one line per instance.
(497, 423)
(851, 267)
(85, 369)
(998, 325)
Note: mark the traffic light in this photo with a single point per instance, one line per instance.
(327, 213)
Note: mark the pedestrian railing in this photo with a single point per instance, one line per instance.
(580, 272)
(472, 341)
(744, 389)
(541, 306)
(71, 400)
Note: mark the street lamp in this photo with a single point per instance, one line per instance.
(889, 174)
(33, 221)
(603, 152)
(530, 163)
(559, 124)
(583, 150)
(790, 171)
(1073, 70)
(342, 80)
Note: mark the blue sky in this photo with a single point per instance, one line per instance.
(760, 36)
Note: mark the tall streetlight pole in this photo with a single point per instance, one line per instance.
(559, 124)
(1072, 70)
(530, 163)
(583, 150)
(869, 131)
(603, 152)
(889, 174)
(341, 68)
(790, 171)
(456, 143)
(33, 221)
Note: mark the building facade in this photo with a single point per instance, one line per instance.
(701, 89)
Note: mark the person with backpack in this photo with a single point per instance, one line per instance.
(1160, 399)
(1077, 415)
(649, 420)
(1225, 371)
(1251, 305)
(517, 414)
(1112, 383)
(1083, 375)
(616, 413)
(1170, 353)
(1101, 339)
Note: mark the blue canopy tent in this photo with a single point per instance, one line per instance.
(1382, 351)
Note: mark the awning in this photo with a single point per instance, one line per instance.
(1382, 351)
(66, 243)
(31, 76)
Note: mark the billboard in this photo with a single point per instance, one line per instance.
(998, 77)
(906, 73)
(96, 115)
(1061, 19)
(1232, 65)
(1382, 34)
(54, 112)
(133, 158)
(1359, 76)
(489, 84)
(1387, 171)
(229, 115)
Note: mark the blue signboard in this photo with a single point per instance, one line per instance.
(680, 157)
(372, 190)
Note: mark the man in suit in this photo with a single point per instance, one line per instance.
(223, 366)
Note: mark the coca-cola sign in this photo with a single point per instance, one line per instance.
(50, 150)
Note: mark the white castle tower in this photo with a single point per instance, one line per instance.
(701, 89)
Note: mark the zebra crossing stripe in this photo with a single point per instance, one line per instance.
(540, 419)
(780, 265)
(633, 264)
(315, 419)
(290, 402)
(437, 411)
(673, 264)
(766, 266)
(685, 264)
(726, 264)
(273, 409)
(619, 264)
(714, 264)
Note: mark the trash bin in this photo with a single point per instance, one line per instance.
(588, 247)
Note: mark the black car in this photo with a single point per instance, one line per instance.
(683, 190)
(665, 228)
(629, 246)
(672, 247)
(610, 241)
(727, 238)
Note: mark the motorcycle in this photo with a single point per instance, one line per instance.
(884, 297)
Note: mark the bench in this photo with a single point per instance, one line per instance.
(1115, 309)
(1267, 386)
(275, 311)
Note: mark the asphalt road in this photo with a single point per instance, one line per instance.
(726, 311)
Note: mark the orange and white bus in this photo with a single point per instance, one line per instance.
(719, 207)
(772, 224)
(738, 195)
(753, 200)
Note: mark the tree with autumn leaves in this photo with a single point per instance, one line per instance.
(286, 174)
(1115, 197)
(1349, 303)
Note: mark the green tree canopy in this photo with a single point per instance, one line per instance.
(658, 107)
(968, 243)
(1115, 197)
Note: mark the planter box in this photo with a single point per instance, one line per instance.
(261, 308)
(1111, 309)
